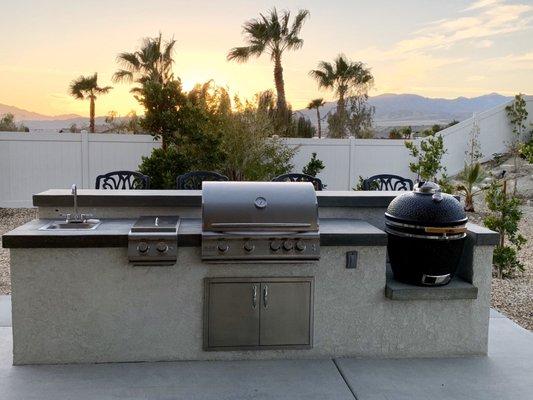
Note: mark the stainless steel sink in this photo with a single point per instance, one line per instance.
(71, 226)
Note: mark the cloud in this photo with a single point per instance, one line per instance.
(476, 30)
(511, 62)
(476, 78)
(481, 4)
(483, 44)
(496, 20)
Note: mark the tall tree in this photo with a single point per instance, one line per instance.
(86, 87)
(152, 62)
(342, 76)
(316, 104)
(271, 34)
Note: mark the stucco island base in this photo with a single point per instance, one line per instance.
(86, 305)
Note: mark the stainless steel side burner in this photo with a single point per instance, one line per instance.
(153, 241)
(259, 221)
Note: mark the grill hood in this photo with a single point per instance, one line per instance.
(259, 206)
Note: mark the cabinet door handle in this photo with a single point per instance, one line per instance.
(265, 296)
(254, 296)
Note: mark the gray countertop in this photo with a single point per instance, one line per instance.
(192, 198)
(114, 233)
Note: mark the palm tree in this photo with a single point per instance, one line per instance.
(271, 34)
(317, 103)
(152, 62)
(471, 176)
(86, 87)
(341, 76)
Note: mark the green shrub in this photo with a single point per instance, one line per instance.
(164, 166)
(428, 157)
(504, 219)
(314, 166)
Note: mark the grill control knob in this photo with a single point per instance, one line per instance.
(143, 247)
(249, 246)
(275, 245)
(288, 245)
(223, 247)
(161, 247)
(300, 245)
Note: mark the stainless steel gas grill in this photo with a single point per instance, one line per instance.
(153, 241)
(259, 221)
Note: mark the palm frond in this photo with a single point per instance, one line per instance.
(298, 22)
(122, 76)
(129, 61)
(103, 90)
(239, 54)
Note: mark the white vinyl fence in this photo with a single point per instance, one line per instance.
(33, 162)
(347, 159)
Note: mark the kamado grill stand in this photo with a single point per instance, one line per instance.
(426, 235)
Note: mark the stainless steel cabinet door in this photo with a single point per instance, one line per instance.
(233, 316)
(286, 309)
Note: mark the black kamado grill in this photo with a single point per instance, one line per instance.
(427, 231)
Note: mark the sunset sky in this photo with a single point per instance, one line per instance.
(430, 47)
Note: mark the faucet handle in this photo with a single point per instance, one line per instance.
(85, 217)
(67, 216)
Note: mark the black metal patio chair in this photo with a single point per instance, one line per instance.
(193, 180)
(123, 180)
(387, 182)
(317, 183)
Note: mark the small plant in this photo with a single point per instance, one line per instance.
(428, 158)
(314, 166)
(526, 151)
(471, 177)
(504, 219)
(360, 183)
(517, 114)
(395, 134)
(406, 132)
(474, 154)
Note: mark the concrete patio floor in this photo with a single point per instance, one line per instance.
(507, 373)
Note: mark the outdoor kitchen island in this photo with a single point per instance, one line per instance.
(78, 299)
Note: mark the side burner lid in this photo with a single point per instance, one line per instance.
(155, 224)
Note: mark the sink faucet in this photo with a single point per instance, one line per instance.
(74, 192)
(76, 217)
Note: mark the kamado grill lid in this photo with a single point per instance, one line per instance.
(425, 206)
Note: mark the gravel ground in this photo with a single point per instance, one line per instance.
(10, 218)
(513, 297)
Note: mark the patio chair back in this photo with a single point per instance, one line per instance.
(122, 180)
(317, 183)
(387, 182)
(193, 180)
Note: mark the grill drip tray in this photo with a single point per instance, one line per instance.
(153, 241)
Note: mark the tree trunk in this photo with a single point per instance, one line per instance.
(469, 203)
(281, 103)
(319, 125)
(91, 115)
(341, 111)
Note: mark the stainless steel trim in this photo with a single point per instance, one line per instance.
(260, 225)
(435, 279)
(254, 296)
(431, 237)
(404, 225)
(265, 296)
